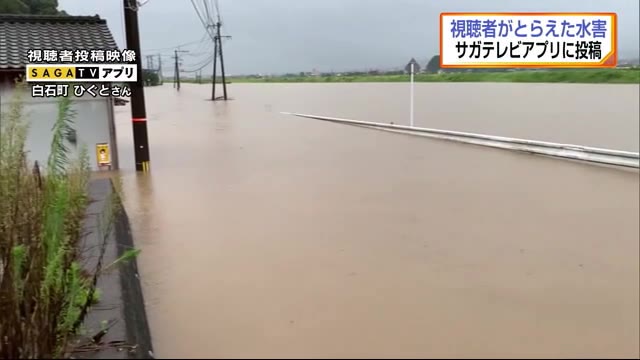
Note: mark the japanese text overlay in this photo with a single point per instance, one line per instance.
(528, 40)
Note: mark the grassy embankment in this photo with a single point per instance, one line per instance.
(587, 76)
(44, 290)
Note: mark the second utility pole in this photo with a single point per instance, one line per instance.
(217, 42)
(177, 69)
(161, 77)
(138, 110)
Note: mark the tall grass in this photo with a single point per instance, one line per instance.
(43, 290)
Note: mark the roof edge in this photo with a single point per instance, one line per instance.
(58, 19)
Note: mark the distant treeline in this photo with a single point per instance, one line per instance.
(432, 67)
(400, 72)
(30, 7)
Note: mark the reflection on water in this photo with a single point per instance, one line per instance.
(271, 236)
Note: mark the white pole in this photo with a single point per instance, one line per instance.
(411, 111)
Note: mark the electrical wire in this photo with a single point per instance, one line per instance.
(208, 13)
(204, 24)
(198, 58)
(202, 40)
(208, 6)
(199, 53)
(199, 63)
(217, 6)
(209, 61)
(206, 49)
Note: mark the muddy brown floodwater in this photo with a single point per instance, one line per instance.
(270, 236)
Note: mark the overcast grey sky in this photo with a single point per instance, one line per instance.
(275, 36)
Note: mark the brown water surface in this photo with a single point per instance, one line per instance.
(265, 235)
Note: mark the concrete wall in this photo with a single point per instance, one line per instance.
(93, 123)
(121, 303)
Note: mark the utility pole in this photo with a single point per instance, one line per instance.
(217, 45)
(177, 68)
(215, 61)
(160, 76)
(150, 62)
(176, 71)
(138, 110)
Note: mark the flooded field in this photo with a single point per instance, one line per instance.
(264, 235)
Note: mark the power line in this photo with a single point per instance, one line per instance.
(201, 67)
(202, 50)
(202, 9)
(201, 62)
(197, 59)
(200, 53)
(193, 57)
(195, 66)
(206, 7)
(204, 24)
(204, 54)
(177, 46)
(217, 5)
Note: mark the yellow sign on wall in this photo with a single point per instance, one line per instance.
(103, 154)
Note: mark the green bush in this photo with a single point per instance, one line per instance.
(43, 292)
(150, 78)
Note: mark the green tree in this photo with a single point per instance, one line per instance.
(43, 7)
(31, 7)
(434, 64)
(13, 7)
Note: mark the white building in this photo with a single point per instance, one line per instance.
(94, 120)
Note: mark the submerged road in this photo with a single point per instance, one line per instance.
(267, 236)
